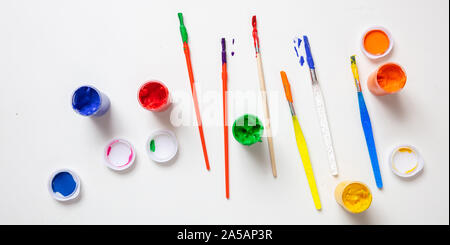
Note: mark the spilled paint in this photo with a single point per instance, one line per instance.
(297, 47)
(232, 52)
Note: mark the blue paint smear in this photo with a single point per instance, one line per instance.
(64, 183)
(86, 101)
(302, 60)
(296, 51)
(299, 41)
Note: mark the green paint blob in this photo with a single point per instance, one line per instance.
(248, 129)
(152, 145)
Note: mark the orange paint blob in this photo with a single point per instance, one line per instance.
(391, 77)
(376, 42)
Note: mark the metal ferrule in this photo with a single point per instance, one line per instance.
(312, 72)
(291, 107)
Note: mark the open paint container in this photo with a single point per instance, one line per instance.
(162, 145)
(89, 101)
(154, 96)
(353, 196)
(119, 154)
(248, 129)
(64, 185)
(405, 161)
(376, 42)
(388, 78)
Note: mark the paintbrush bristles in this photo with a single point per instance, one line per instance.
(223, 44)
(355, 72)
(255, 34)
(224, 52)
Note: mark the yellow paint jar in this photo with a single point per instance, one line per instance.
(353, 196)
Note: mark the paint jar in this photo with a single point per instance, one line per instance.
(89, 101)
(389, 78)
(64, 185)
(353, 196)
(154, 96)
(162, 145)
(119, 154)
(248, 129)
(376, 42)
(406, 161)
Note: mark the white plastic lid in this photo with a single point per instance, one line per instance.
(64, 185)
(391, 42)
(405, 161)
(162, 145)
(119, 154)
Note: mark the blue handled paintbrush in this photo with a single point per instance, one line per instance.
(367, 126)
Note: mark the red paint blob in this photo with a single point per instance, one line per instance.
(154, 96)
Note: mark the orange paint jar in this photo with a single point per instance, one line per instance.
(376, 42)
(387, 79)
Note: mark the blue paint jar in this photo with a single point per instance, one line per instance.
(64, 185)
(89, 101)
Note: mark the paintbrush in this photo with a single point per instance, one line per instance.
(320, 107)
(301, 143)
(367, 125)
(225, 117)
(262, 84)
(184, 37)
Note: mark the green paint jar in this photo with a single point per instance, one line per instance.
(248, 129)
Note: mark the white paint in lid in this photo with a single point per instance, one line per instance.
(162, 145)
(405, 161)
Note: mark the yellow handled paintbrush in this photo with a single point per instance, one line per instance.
(301, 143)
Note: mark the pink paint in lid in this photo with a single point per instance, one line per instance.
(119, 154)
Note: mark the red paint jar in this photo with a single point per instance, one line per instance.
(154, 96)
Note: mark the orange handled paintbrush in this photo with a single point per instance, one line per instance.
(225, 117)
(184, 37)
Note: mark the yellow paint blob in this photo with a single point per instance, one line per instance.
(404, 149)
(356, 197)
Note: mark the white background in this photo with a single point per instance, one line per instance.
(49, 47)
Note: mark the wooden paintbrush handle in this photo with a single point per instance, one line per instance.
(268, 129)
